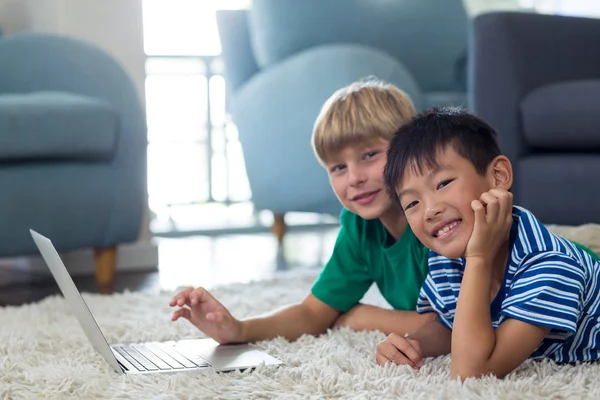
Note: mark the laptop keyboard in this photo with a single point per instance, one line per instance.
(154, 357)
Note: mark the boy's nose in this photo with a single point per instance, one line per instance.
(356, 177)
(433, 211)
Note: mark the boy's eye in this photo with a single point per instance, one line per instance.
(411, 205)
(370, 154)
(443, 184)
(337, 168)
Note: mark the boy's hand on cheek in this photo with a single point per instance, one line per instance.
(493, 219)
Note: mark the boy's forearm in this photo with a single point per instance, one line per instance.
(388, 321)
(473, 338)
(290, 322)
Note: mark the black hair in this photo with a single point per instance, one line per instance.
(417, 143)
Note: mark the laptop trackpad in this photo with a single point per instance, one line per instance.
(227, 357)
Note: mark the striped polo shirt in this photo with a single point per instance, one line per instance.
(548, 282)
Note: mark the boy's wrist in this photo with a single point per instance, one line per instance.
(478, 261)
(243, 331)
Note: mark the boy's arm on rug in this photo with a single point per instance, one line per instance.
(431, 340)
(478, 349)
(364, 317)
(311, 316)
(198, 306)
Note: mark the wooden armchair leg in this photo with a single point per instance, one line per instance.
(279, 227)
(105, 261)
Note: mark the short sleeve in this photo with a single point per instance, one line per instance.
(346, 277)
(547, 293)
(440, 289)
(427, 299)
(423, 303)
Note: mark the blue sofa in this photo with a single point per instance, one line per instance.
(284, 58)
(72, 149)
(536, 79)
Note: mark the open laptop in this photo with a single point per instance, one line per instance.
(154, 357)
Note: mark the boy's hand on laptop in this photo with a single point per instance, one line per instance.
(493, 219)
(207, 314)
(399, 350)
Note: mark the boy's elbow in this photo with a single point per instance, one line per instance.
(465, 371)
(462, 373)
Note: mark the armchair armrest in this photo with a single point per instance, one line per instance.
(516, 53)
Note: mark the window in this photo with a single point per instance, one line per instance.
(194, 156)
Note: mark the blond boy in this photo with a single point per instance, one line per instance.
(375, 243)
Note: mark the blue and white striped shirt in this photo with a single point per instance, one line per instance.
(548, 282)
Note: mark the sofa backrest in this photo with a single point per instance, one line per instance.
(428, 36)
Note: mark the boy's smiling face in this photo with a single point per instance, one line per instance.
(356, 176)
(437, 203)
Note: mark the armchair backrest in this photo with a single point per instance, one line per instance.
(428, 36)
(236, 52)
(514, 54)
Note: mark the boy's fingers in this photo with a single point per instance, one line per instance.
(387, 353)
(381, 359)
(509, 206)
(397, 357)
(499, 193)
(491, 206)
(181, 297)
(505, 202)
(181, 313)
(175, 298)
(479, 210)
(398, 350)
(406, 348)
(194, 296)
(410, 353)
(476, 205)
(200, 295)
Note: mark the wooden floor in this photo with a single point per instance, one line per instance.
(198, 261)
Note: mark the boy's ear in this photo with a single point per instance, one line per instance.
(501, 172)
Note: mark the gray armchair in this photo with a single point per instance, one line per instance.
(72, 149)
(536, 79)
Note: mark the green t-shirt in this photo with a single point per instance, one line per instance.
(363, 255)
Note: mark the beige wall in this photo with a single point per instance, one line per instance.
(29, 15)
(114, 25)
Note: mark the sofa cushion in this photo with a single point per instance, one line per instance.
(56, 125)
(563, 116)
(559, 188)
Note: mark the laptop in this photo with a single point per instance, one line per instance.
(150, 357)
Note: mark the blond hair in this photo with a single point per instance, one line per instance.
(359, 114)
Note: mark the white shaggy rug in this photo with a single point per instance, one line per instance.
(44, 354)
